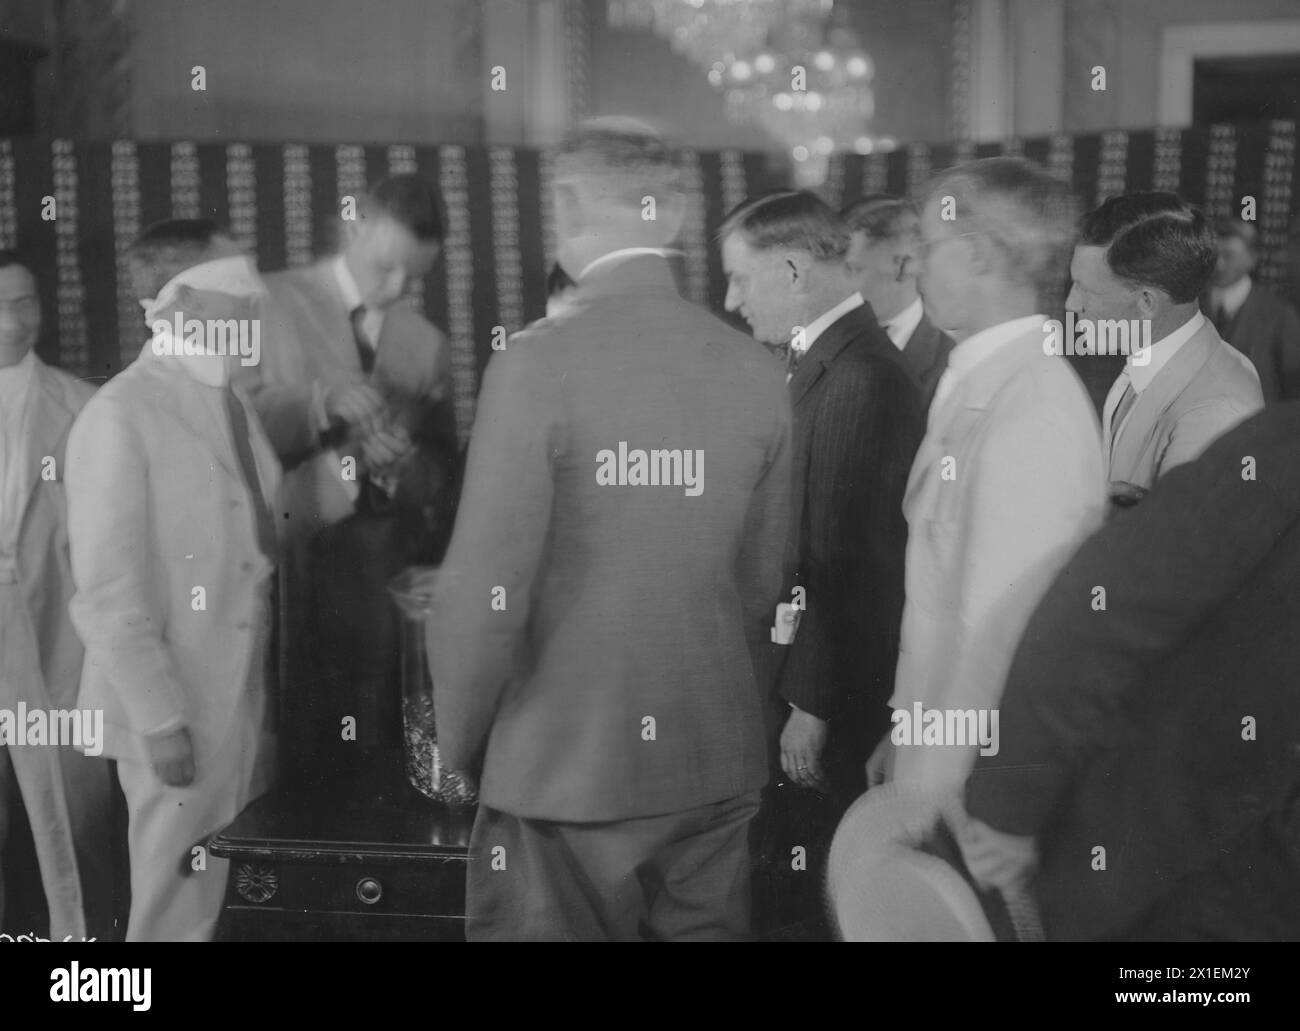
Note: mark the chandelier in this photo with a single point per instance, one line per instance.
(706, 30)
(795, 68)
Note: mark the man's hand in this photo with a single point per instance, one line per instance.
(172, 757)
(995, 859)
(802, 742)
(880, 764)
(383, 449)
(357, 404)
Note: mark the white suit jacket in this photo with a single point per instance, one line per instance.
(158, 509)
(987, 531)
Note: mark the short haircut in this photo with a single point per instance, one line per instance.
(410, 201)
(626, 158)
(795, 219)
(557, 281)
(1154, 239)
(882, 216)
(1027, 213)
(167, 248)
(1236, 229)
(9, 258)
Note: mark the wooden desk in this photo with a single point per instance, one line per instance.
(362, 859)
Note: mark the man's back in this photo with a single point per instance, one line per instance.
(627, 605)
(1164, 727)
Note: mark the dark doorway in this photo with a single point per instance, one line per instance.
(1246, 89)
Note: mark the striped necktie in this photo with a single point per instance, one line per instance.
(263, 521)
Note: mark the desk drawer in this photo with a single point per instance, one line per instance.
(433, 888)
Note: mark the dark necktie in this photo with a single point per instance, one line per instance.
(264, 522)
(365, 352)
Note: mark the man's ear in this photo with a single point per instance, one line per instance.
(1150, 301)
(795, 267)
(904, 267)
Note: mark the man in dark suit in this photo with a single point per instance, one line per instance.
(857, 423)
(355, 392)
(886, 238)
(597, 613)
(1148, 747)
(1255, 321)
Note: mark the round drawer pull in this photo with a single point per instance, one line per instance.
(369, 890)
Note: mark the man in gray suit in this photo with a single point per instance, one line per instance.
(601, 601)
(1143, 259)
(355, 392)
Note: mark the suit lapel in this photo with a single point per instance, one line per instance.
(826, 348)
(1144, 418)
(187, 402)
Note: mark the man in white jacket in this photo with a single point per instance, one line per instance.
(170, 485)
(1008, 481)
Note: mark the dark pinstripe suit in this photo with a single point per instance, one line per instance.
(858, 419)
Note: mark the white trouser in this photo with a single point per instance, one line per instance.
(170, 900)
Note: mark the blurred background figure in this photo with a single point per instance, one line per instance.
(64, 794)
(355, 391)
(1254, 320)
(886, 235)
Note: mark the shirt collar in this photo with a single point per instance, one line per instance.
(347, 285)
(622, 254)
(1161, 352)
(982, 345)
(14, 379)
(823, 322)
(208, 370)
(901, 327)
(1232, 297)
